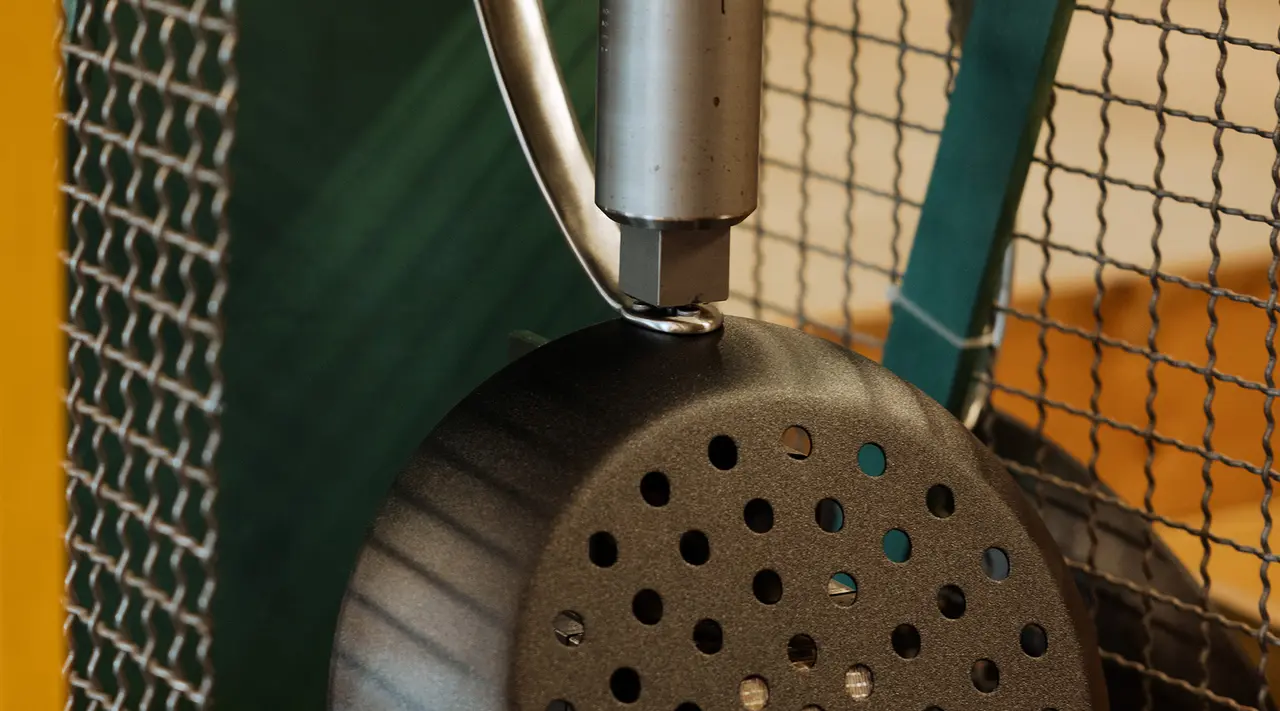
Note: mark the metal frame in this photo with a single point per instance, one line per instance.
(32, 505)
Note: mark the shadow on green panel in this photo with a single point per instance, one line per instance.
(387, 237)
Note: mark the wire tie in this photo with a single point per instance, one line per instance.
(896, 297)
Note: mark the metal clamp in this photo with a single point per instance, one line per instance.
(534, 91)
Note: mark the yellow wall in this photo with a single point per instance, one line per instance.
(31, 363)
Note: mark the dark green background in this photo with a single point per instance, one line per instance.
(387, 236)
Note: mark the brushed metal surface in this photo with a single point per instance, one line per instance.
(678, 127)
(533, 88)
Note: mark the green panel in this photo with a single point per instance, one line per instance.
(1011, 54)
(387, 239)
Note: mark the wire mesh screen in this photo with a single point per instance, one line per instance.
(1155, 195)
(1141, 331)
(855, 96)
(149, 89)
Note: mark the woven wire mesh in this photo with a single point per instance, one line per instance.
(1150, 225)
(150, 89)
(1141, 332)
(855, 96)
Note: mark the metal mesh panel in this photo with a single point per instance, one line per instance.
(150, 88)
(855, 96)
(1141, 333)
(1155, 191)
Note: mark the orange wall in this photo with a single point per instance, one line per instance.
(1179, 404)
(32, 360)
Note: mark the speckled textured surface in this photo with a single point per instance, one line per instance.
(485, 538)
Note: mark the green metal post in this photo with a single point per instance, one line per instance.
(1011, 54)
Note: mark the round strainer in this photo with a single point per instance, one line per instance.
(752, 520)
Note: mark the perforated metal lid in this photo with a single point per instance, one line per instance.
(758, 520)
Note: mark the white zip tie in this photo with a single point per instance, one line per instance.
(896, 296)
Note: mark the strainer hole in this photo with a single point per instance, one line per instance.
(708, 636)
(796, 442)
(767, 587)
(906, 641)
(656, 489)
(688, 706)
(647, 607)
(695, 548)
(842, 589)
(569, 628)
(871, 459)
(951, 602)
(758, 515)
(829, 515)
(985, 676)
(723, 452)
(802, 652)
(859, 683)
(1034, 640)
(897, 545)
(940, 500)
(559, 705)
(753, 692)
(625, 685)
(602, 548)
(995, 563)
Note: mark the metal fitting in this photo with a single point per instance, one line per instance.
(674, 267)
(678, 134)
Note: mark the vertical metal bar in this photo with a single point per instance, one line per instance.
(806, 144)
(1042, 334)
(1099, 245)
(757, 243)
(1153, 313)
(846, 334)
(1268, 452)
(31, 379)
(1206, 467)
(1010, 57)
(895, 239)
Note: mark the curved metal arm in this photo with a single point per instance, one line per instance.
(533, 88)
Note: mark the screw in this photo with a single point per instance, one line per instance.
(569, 629)
(839, 589)
(754, 693)
(858, 683)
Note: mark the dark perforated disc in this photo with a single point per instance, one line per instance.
(755, 519)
